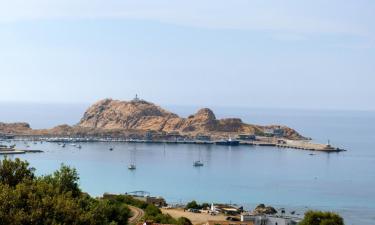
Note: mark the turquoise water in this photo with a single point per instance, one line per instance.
(246, 175)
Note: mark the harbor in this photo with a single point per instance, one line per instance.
(251, 172)
(256, 141)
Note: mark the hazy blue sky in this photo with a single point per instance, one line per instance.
(299, 54)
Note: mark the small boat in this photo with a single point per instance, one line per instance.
(311, 154)
(229, 142)
(198, 163)
(63, 145)
(110, 149)
(79, 146)
(132, 167)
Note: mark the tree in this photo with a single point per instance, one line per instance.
(52, 199)
(183, 221)
(192, 205)
(65, 179)
(14, 172)
(321, 218)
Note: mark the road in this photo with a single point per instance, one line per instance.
(137, 214)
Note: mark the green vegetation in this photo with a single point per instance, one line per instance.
(53, 199)
(321, 218)
(151, 212)
(56, 199)
(194, 205)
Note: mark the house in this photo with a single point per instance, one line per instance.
(157, 201)
(270, 219)
(273, 132)
(224, 222)
(228, 210)
(149, 222)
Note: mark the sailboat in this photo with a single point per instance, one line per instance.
(198, 163)
(132, 165)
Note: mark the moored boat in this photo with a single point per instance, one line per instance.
(229, 142)
(198, 163)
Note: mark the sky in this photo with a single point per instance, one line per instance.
(279, 54)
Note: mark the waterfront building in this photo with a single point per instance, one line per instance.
(149, 222)
(149, 135)
(270, 219)
(224, 222)
(202, 137)
(6, 136)
(274, 132)
(246, 137)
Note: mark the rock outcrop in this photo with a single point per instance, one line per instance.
(142, 115)
(14, 127)
(261, 209)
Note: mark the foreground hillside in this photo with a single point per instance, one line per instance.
(138, 117)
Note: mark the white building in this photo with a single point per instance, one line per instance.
(270, 220)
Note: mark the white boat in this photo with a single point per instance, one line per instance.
(132, 167)
(198, 163)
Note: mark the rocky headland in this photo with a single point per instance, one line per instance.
(139, 118)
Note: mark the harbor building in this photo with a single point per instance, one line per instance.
(246, 137)
(202, 137)
(274, 132)
(224, 222)
(270, 219)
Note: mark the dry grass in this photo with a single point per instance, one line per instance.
(195, 218)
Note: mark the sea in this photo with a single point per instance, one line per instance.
(296, 180)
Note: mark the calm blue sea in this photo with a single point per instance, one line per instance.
(342, 182)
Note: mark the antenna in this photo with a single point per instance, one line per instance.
(136, 99)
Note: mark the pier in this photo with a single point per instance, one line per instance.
(17, 151)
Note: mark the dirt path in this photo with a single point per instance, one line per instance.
(137, 214)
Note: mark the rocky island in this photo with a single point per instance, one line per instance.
(139, 120)
(143, 120)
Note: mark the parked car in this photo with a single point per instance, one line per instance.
(230, 218)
